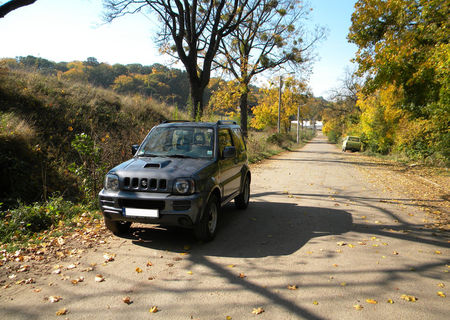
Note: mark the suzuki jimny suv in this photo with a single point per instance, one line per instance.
(181, 175)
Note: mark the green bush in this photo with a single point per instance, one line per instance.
(22, 223)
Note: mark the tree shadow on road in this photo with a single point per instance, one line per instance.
(264, 229)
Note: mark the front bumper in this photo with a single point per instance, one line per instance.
(174, 210)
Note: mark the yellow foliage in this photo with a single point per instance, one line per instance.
(225, 100)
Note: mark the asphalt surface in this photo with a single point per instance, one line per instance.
(315, 223)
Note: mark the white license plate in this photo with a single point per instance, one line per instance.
(133, 212)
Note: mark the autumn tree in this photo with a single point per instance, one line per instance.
(266, 112)
(191, 31)
(12, 5)
(271, 36)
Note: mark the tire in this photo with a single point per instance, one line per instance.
(242, 200)
(205, 229)
(117, 227)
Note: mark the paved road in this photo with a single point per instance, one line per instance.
(314, 223)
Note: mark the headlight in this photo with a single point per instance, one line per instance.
(184, 186)
(112, 182)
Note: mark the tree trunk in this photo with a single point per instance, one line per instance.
(243, 104)
(197, 100)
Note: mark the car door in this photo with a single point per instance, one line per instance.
(229, 171)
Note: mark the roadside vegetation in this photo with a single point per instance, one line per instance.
(397, 100)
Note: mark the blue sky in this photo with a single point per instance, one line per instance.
(73, 30)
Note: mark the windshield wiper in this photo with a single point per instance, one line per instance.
(148, 155)
(178, 156)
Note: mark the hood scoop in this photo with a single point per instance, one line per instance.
(157, 165)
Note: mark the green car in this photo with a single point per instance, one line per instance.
(351, 143)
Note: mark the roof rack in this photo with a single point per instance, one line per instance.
(171, 121)
(226, 122)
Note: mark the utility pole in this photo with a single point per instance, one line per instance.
(298, 123)
(279, 105)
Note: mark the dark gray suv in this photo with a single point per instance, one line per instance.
(181, 175)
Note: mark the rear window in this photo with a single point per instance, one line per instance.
(353, 139)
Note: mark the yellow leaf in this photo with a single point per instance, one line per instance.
(372, 301)
(343, 284)
(441, 285)
(335, 265)
(441, 294)
(315, 303)
(138, 270)
(358, 307)
(351, 246)
(408, 298)
(390, 301)
(228, 318)
(258, 310)
(153, 309)
(437, 252)
(231, 266)
(61, 312)
(292, 287)
(190, 272)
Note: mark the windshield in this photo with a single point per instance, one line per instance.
(189, 142)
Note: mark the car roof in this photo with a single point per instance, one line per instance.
(174, 123)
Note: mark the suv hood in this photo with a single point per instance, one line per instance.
(161, 167)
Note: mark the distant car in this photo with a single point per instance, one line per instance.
(351, 143)
(181, 175)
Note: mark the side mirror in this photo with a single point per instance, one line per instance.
(229, 152)
(134, 149)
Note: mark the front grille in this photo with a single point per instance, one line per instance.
(142, 204)
(144, 184)
(181, 205)
(107, 201)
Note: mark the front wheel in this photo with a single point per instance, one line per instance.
(206, 228)
(242, 200)
(117, 227)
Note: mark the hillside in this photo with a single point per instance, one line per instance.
(41, 115)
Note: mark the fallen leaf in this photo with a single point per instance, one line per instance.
(258, 310)
(231, 265)
(57, 271)
(341, 243)
(109, 257)
(149, 264)
(343, 284)
(441, 285)
(315, 303)
(53, 299)
(292, 287)
(190, 272)
(61, 312)
(372, 301)
(441, 294)
(153, 309)
(358, 307)
(390, 301)
(395, 252)
(228, 318)
(71, 266)
(437, 252)
(335, 265)
(408, 298)
(241, 275)
(138, 270)
(127, 300)
(99, 278)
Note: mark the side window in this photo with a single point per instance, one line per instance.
(224, 139)
(238, 140)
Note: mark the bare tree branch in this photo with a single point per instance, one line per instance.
(13, 5)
